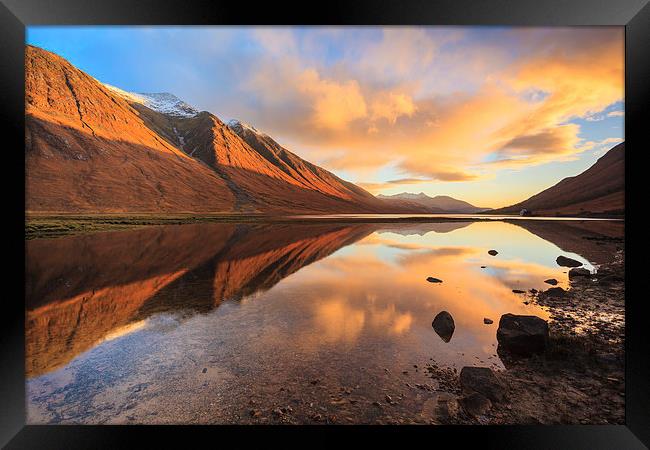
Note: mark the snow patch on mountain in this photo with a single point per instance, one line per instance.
(163, 102)
(238, 127)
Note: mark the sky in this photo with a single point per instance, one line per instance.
(490, 115)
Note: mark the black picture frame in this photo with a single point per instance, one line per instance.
(15, 15)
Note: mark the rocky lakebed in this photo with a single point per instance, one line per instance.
(568, 370)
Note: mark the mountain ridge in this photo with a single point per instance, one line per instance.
(597, 191)
(95, 148)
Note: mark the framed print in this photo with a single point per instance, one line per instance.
(401, 219)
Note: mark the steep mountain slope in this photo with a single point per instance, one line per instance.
(263, 176)
(439, 203)
(599, 190)
(94, 147)
(296, 168)
(89, 150)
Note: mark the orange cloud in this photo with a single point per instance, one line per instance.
(387, 102)
(390, 106)
(334, 105)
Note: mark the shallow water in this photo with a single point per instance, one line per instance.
(498, 217)
(205, 323)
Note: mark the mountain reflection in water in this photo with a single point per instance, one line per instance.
(82, 288)
(301, 299)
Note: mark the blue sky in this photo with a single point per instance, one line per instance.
(490, 115)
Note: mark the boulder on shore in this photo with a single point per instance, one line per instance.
(522, 335)
(567, 262)
(443, 325)
(579, 272)
(481, 380)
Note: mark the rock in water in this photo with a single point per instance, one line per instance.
(518, 291)
(551, 281)
(443, 324)
(434, 280)
(475, 404)
(567, 262)
(522, 335)
(555, 292)
(482, 381)
(487, 321)
(493, 252)
(578, 272)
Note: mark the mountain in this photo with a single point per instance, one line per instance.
(87, 149)
(296, 168)
(91, 147)
(599, 190)
(437, 204)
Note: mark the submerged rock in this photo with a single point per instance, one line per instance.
(522, 335)
(481, 380)
(579, 272)
(493, 252)
(551, 281)
(434, 280)
(567, 262)
(475, 404)
(443, 325)
(446, 408)
(610, 279)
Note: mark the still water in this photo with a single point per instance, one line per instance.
(224, 323)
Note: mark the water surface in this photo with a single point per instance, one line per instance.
(209, 323)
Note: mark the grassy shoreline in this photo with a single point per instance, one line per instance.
(39, 225)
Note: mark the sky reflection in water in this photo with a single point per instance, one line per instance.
(260, 304)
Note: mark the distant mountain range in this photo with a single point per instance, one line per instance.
(91, 147)
(598, 191)
(437, 204)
